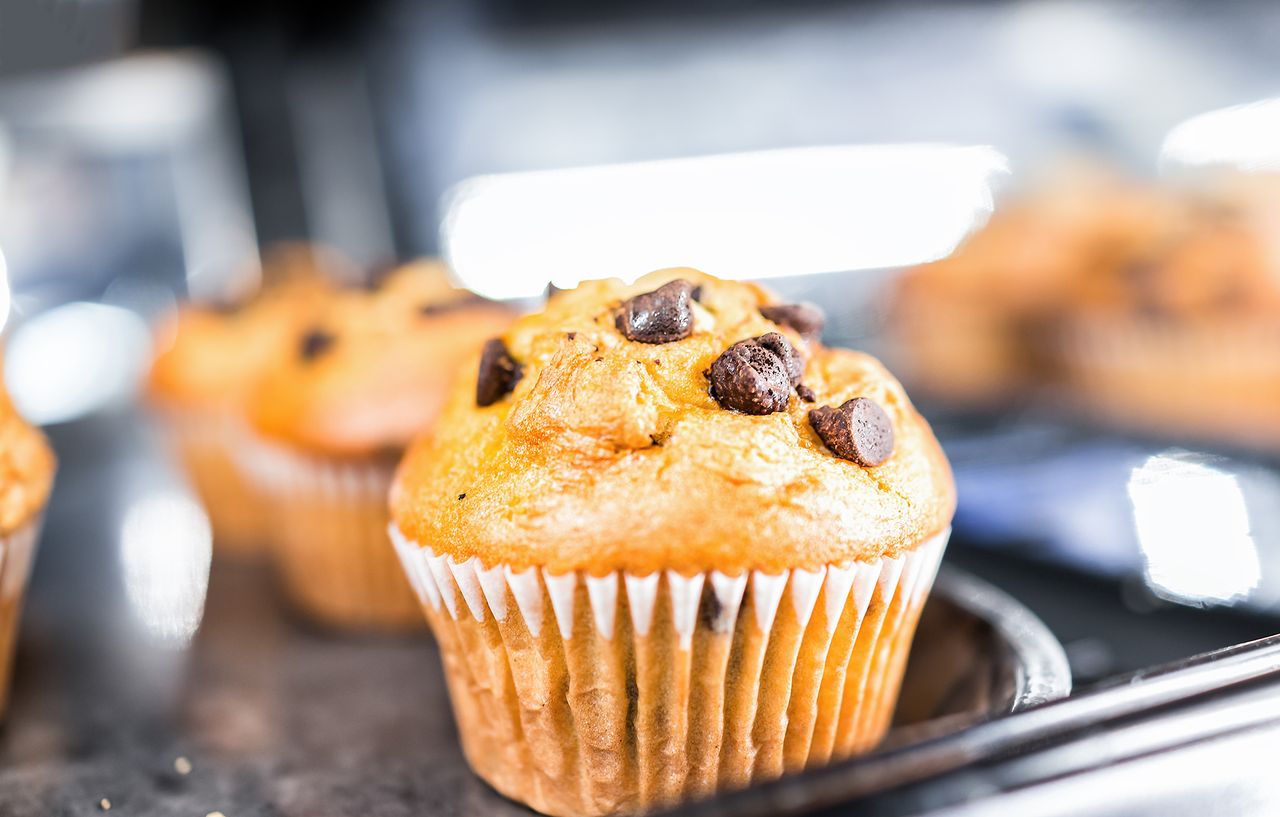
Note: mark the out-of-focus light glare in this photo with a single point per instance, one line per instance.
(4, 291)
(749, 215)
(165, 547)
(1193, 526)
(1246, 137)
(75, 359)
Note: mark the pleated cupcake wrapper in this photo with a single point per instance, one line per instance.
(1213, 382)
(328, 532)
(582, 694)
(17, 553)
(206, 442)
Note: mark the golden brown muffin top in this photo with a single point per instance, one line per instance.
(27, 465)
(617, 454)
(370, 373)
(211, 357)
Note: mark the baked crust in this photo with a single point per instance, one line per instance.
(612, 454)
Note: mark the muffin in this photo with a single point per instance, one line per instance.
(208, 359)
(366, 377)
(670, 544)
(26, 477)
(969, 328)
(1180, 335)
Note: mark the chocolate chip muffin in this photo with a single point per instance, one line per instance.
(27, 467)
(670, 544)
(208, 359)
(1180, 336)
(362, 380)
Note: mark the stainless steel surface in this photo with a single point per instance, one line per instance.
(275, 718)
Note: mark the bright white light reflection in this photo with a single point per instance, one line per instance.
(1193, 527)
(164, 551)
(749, 215)
(4, 285)
(74, 359)
(1246, 137)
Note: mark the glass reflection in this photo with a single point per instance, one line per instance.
(74, 359)
(1193, 527)
(164, 552)
(768, 214)
(1246, 137)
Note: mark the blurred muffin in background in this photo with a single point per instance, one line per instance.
(361, 381)
(1182, 334)
(967, 328)
(27, 467)
(209, 358)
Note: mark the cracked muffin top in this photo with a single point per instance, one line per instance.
(370, 372)
(681, 422)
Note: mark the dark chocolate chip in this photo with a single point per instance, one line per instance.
(806, 393)
(807, 319)
(499, 373)
(751, 378)
(778, 344)
(710, 612)
(462, 496)
(661, 316)
(315, 343)
(858, 431)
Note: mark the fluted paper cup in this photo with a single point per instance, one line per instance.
(592, 695)
(206, 442)
(17, 552)
(1217, 381)
(328, 538)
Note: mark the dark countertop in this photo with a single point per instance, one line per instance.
(274, 717)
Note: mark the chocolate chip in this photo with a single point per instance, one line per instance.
(806, 393)
(806, 319)
(778, 344)
(858, 431)
(751, 377)
(661, 316)
(696, 293)
(462, 496)
(315, 343)
(499, 373)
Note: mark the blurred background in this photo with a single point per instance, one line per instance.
(1100, 357)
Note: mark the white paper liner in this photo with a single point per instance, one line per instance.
(17, 553)
(582, 694)
(328, 523)
(207, 443)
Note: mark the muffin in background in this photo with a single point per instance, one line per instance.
(361, 380)
(970, 328)
(1182, 336)
(670, 544)
(208, 360)
(27, 467)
